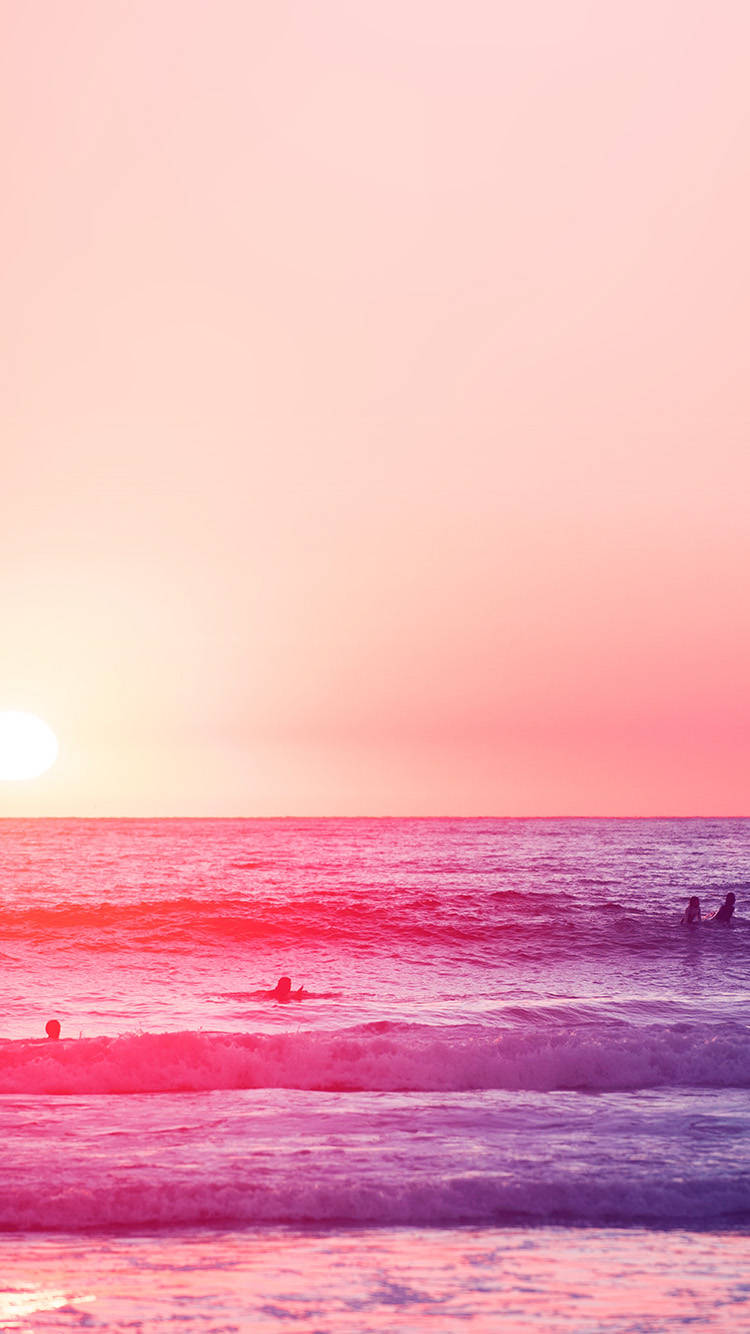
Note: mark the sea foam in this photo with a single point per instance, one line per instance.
(593, 1057)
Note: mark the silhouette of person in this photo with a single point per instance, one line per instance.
(725, 911)
(52, 1029)
(283, 990)
(692, 914)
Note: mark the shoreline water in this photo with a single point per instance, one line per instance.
(404, 1281)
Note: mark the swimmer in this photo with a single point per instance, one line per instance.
(52, 1029)
(725, 911)
(692, 914)
(283, 991)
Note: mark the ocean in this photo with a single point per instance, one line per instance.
(514, 1092)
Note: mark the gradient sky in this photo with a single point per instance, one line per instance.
(375, 405)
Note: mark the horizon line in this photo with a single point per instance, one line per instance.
(139, 818)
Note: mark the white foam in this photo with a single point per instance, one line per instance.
(590, 1057)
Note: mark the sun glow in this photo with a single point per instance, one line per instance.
(27, 746)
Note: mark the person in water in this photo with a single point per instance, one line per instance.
(725, 911)
(283, 990)
(692, 914)
(52, 1029)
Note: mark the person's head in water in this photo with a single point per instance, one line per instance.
(283, 987)
(692, 913)
(726, 910)
(52, 1029)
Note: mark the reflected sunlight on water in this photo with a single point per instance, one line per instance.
(18, 1304)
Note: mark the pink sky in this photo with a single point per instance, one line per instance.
(375, 405)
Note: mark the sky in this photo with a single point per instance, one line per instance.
(374, 411)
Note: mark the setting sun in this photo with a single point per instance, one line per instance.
(27, 746)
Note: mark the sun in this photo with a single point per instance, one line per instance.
(27, 745)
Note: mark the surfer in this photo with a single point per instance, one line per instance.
(283, 991)
(52, 1029)
(725, 911)
(692, 914)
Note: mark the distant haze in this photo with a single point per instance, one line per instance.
(375, 405)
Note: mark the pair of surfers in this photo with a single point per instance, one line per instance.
(692, 914)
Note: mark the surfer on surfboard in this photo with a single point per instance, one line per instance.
(283, 991)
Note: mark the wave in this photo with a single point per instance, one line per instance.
(409, 1058)
(297, 1198)
(335, 919)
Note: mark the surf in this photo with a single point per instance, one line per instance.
(413, 1058)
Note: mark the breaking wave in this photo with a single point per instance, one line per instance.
(451, 1200)
(594, 1058)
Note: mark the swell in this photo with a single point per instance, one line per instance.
(590, 1058)
(177, 923)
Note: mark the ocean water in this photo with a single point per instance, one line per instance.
(515, 1092)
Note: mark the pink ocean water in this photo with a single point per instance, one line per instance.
(512, 1071)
